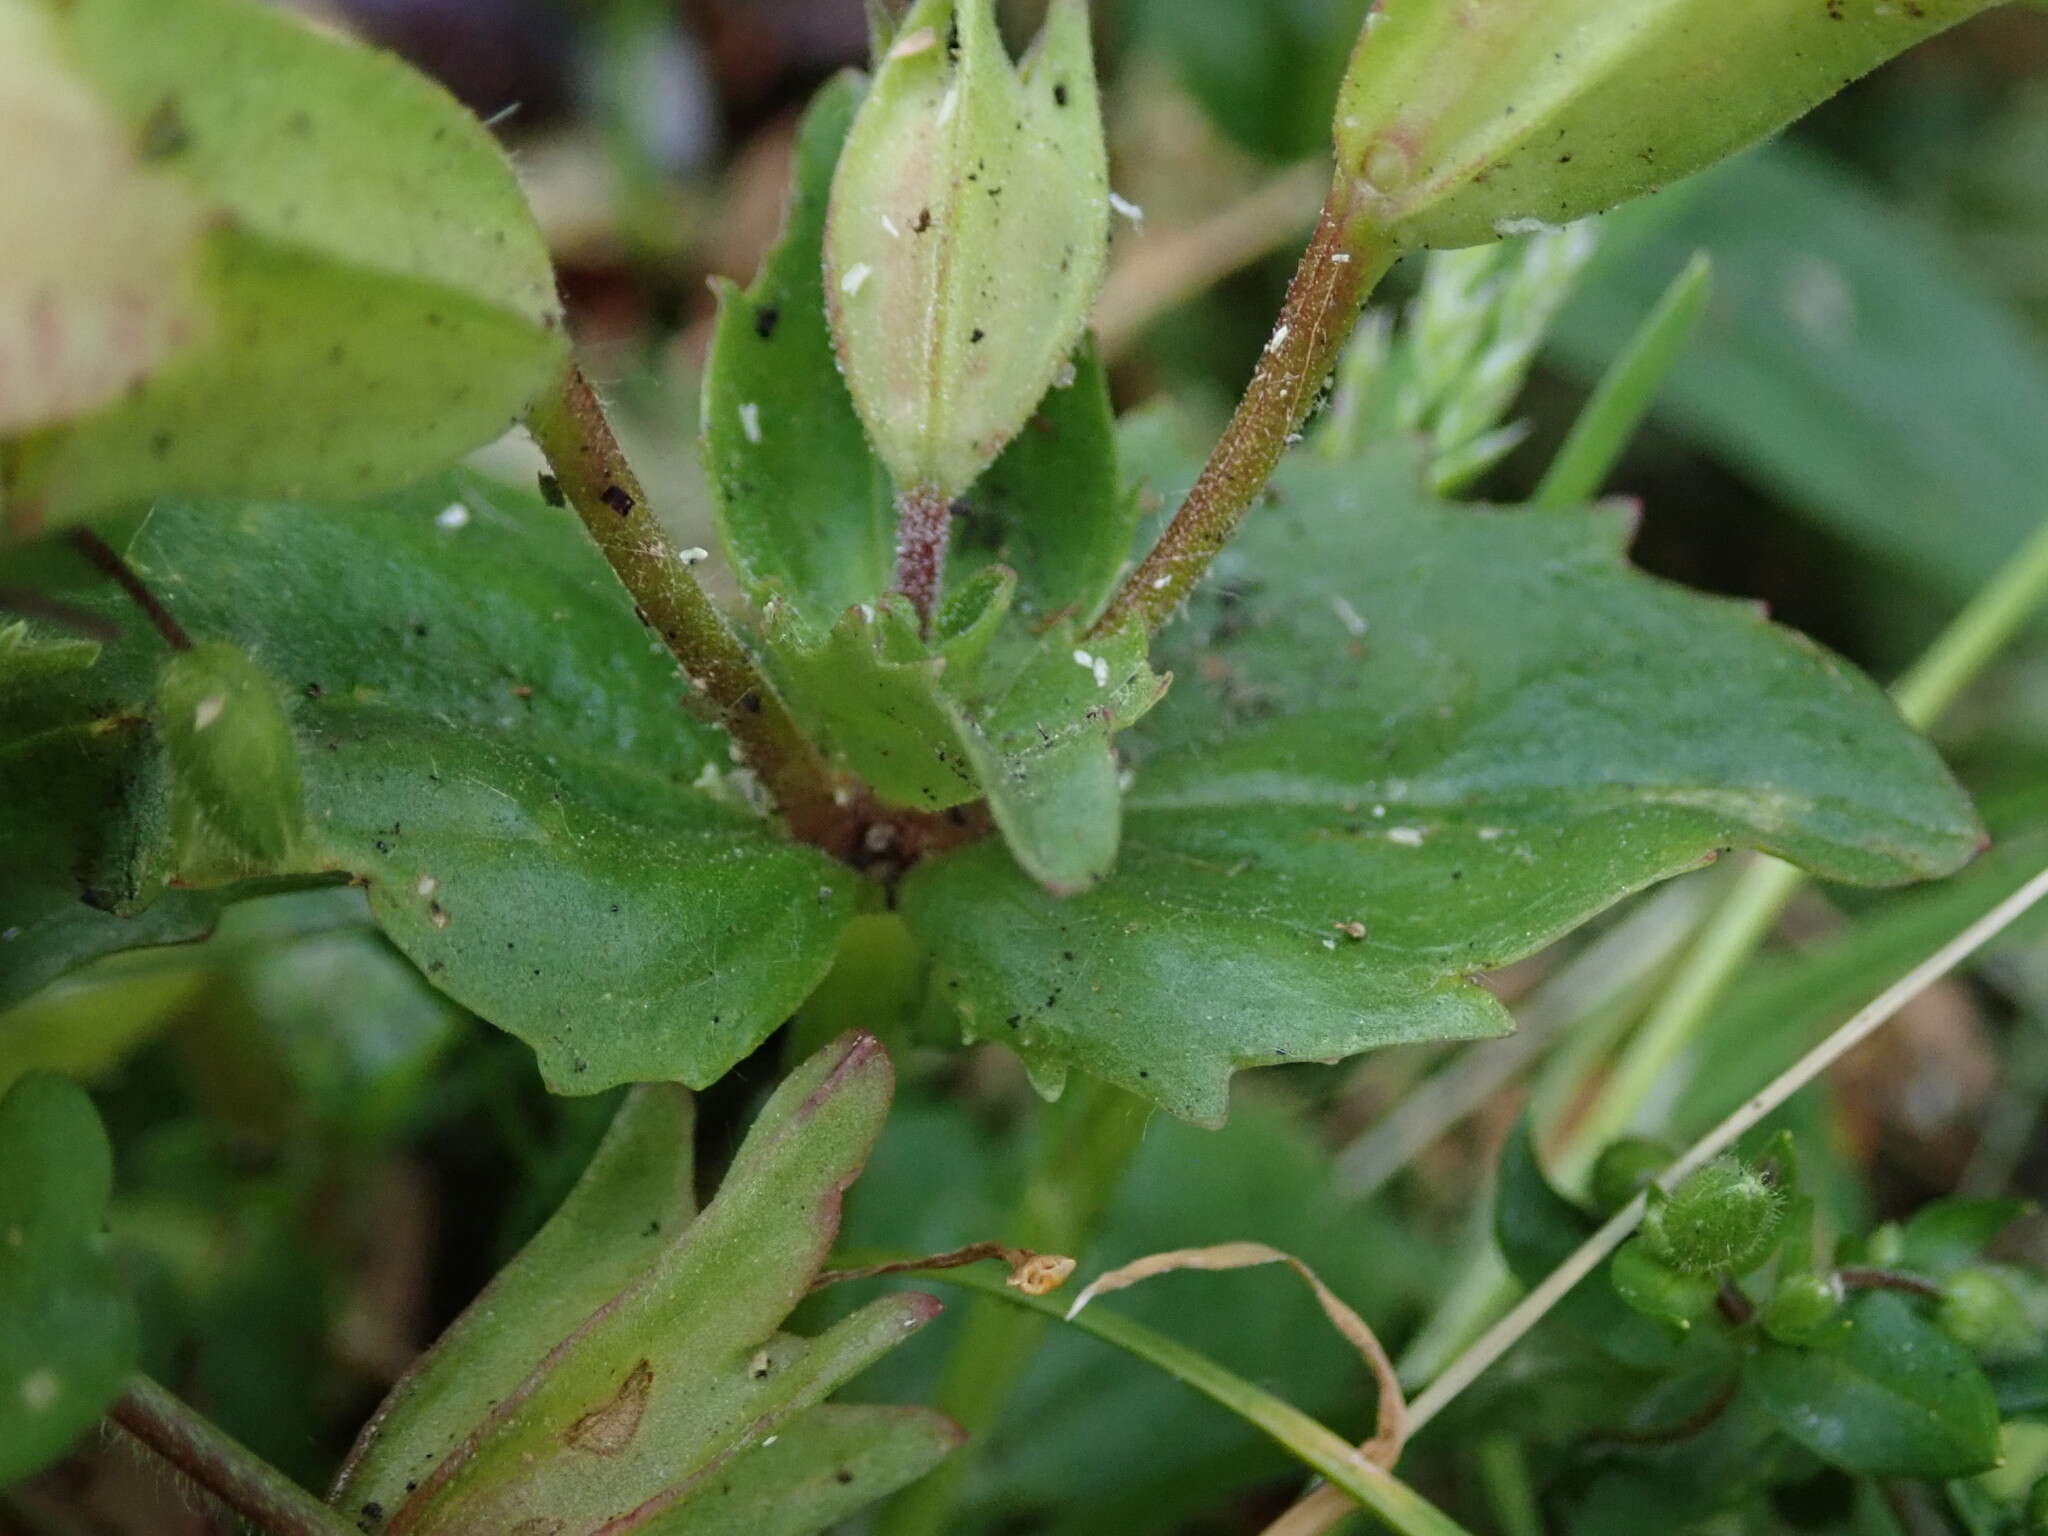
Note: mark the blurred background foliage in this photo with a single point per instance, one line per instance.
(320, 1160)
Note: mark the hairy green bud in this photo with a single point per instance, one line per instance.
(968, 230)
(1463, 120)
(1722, 1220)
(236, 803)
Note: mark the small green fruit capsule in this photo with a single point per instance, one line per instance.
(1805, 1310)
(236, 804)
(966, 238)
(1656, 1289)
(1722, 1220)
(1464, 120)
(1625, 1170)
(1980, 1311)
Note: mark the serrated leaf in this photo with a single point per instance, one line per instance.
(805, 509)
(334, 284)
(67, 1334)
(1898, 1398)
(515, 782)
(967, 233)
(652, 1384)
(1412, 742)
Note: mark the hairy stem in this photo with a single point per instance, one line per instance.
(240, 1479)
(591, 469)
(1087, 1142)
(1339, 270)
(105, 559)
(924, 522)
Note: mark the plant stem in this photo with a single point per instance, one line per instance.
(1087, 1141)
(1397, 1506)
(924, 522)
(228, 1470)
(107, 561)
(1342, 265)
(591, 469)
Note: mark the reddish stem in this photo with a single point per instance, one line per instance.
(924, 522)
(1344, 261)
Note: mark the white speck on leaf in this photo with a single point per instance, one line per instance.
(1407, 837)
(1349, 617)
(694, 555)
(856, 277)
(750, 421)
(209, 710)
(1128, 209)
(454, 515)
(40, 1390)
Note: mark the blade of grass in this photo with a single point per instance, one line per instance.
(1397, 1506)
(1625, 392)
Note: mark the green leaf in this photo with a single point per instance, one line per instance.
(806, 512)
(1458, 731)
(631, 1351)
(1848, 362)
(967, 234)
(1267, 74)
(325, 281)
(515, 782)
(1460, 121)
(1898, 1398)
(236, 802)
(894, 711)
(67, 1334)
(1053, 507)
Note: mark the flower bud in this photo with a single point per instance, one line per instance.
(1981, 1312)
(1805, 1310)
(1722, 1220)
(1464, 120)
(968, 229)
(236, 805)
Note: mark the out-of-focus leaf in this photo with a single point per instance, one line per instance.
(1949, 1234)
(1411, 742)
(323, 280)
(1267, 74)
(512, 780)
(67, 1334)
(631, 1351)
(1847, 360)
(1898, 1398)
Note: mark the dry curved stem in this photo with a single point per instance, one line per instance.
(1035, 1274)
(1391, 1426)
